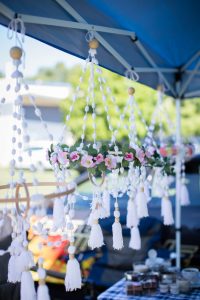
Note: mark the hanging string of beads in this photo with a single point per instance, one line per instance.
(184, 194)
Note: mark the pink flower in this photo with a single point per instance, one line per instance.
(128, 156)
(87, 161)
(74, 156)
(99, 159)
(111, 162)
(163, 151)
(150, 151)
(140, 155)
(53, 158)
(62, 158)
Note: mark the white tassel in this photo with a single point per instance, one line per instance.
(166, 211)
(106, 202)
(118, 243)
(131, 218)
(26, 260)
(20, 263)
(96, 236)
(42, 291)
(90, 220)
(135, 241)
(14, 273)
(73, 272)
(58, 213)
(141, 202)
(147, 191)
(27, 291)
(14, 269)
(185, 199)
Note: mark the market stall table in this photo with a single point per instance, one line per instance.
(118, 292)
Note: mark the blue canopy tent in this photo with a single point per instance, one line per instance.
(159, 40)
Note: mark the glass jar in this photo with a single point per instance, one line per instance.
(134, 288)
(164, 288)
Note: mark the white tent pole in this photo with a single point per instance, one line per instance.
(178, 184)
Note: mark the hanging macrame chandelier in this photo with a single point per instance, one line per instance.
(110, 160)
(21, 259)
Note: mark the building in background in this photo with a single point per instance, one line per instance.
(48, 99)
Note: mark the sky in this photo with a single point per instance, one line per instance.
(48, 56)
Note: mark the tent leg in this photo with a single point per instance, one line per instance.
(178, 185)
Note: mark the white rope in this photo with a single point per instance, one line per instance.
(16, 29)
(132, 75)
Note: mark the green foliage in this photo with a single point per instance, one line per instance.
(57, 74)
(145, 97)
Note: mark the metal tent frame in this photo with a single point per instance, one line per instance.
(178, 89)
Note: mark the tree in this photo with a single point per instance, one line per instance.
(59, 73)
(145, 97)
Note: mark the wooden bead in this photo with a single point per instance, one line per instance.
(93, 44)
(131, 91)
(16, 53)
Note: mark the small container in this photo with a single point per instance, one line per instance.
(184, 285)
(149, 286)
(174, 289)
(164, 288)
(134, 288)
(154, 276)
(129, 290)
(128, 275)
(190, 274)
(134, 276)
(137, 289)
(167, 281)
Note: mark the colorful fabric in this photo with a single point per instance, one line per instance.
(118, 292)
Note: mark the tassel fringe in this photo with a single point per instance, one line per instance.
(135, 241)
(141, 201)
(27, 291)
(185, 199)
(118, 243)
(166, 211)
(131, 218)
(96, 236)
(73, 271)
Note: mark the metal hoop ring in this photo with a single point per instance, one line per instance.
(21, 213)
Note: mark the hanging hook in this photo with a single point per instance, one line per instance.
(131, 74)
(15, 27)
(16, 30)
(90, 35)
